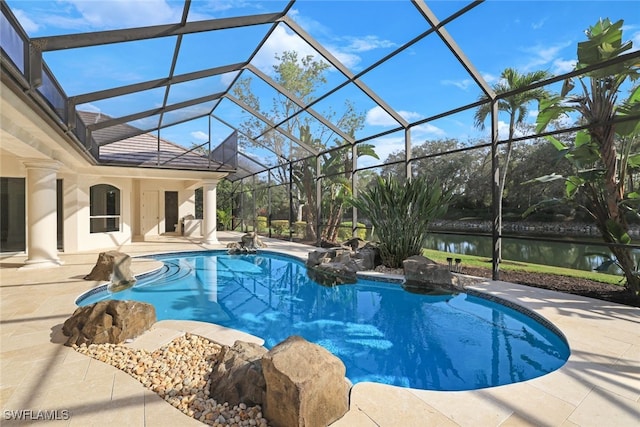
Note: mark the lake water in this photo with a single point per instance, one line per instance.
(569, 255)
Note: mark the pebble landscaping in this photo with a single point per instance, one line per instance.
(179, 373)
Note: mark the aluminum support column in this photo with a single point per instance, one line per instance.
(496, 200)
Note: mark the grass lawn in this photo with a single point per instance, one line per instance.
(506, 265)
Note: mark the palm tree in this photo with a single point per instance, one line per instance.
(516, 106)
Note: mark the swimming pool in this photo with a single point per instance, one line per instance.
(381, 332)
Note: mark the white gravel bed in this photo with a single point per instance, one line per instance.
(179, 373)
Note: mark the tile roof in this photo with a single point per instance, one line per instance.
(144, 149)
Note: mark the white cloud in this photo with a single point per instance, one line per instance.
(367, 43)
(349, 60)
(538, 24)
(561, 66)
(348, 53)
(635, 38)
(126, 13)
(383, 147)
(490, 78)
(460, 84)
(227, 78)
(378, 117)
(345, 49)
(427, 129)
(200, 136)
(281, 40)
(410, 116)
(541, 56)
(28, 25)
(503, 131)
(465, 84)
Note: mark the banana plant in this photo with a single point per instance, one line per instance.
(601, 153)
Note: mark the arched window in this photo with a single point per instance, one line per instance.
(104, 211)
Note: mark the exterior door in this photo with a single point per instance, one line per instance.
(150, 219)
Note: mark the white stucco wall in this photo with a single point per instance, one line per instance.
(76, 204)
(186, 199)
(79, 196)
(26, 136)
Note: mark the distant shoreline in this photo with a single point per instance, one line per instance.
(573, 229)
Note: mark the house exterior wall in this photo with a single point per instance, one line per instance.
(88, 240)
(25, 136)
(11, 166)
(76, 205)
(186, 199)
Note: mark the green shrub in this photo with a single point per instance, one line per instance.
(224, 218)
(400, 213)
(300, 228)
(261, 223)
(280, 227)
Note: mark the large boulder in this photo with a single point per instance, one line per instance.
(339, 265)
(368, 256)
(334, 273)
(249, 243)
(306, 385)
(109, 321)
(237, 376)
(320, 256)
(423, 275)
(113, 266)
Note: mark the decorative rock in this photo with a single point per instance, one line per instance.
(319, 256)
(108, 321)
(426, 276)
(196, 353)
(355, 243)
(334, 273)
(249, 243)
(368, 257)
(113, 266)
(237, 377)
(306, 385)
(337, 266)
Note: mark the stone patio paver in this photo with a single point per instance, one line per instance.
(598, 386)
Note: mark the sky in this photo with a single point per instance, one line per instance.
(418, 83)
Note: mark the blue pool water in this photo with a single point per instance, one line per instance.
(381, 332)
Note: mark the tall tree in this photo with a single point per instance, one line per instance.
(301, 77)
(337, 170)
(515, 106)
(601, 153)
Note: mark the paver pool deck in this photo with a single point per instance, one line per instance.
(598, 386)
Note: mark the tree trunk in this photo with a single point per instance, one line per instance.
(625, 259)
(310, 230)
(335, 224)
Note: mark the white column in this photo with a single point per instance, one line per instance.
(210, 218)
(42, 224)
